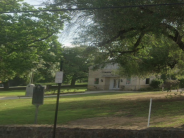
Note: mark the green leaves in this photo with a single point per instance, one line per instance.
(25, 37)
(143, 40)
(76, 63)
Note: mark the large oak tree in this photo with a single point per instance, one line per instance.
(77, 61)
(146, 36)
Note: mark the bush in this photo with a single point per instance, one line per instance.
(156, 83)
(149, 89)
(171, 84)
(181, 83)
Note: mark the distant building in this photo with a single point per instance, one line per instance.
(105, 79)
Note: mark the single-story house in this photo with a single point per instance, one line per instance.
(106, 79)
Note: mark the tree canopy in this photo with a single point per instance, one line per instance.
(146, 37)
(49, 62)
(76, 63)
(24, 37)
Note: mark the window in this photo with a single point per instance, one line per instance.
(128, 81)
(96, 81)
(147, 80)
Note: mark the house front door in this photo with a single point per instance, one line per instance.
(114, 84)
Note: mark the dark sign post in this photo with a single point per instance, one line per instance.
(37, 99)
(58, 79)
(36, 114)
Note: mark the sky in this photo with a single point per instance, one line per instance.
(34, 2)
(66, 41)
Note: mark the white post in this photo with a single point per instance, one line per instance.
(149, 112)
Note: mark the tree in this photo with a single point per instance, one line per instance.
(50, 58)
(159, 58)
(76, 63)
(136, 37)
(24, 37)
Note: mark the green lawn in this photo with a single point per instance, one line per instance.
(21, 111)
(22, 92)
(67, 90)
(53, 83)
(12, 93)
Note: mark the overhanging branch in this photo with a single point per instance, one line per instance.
(176, 38)
(135, 49)
(43, 38)
(120, 34)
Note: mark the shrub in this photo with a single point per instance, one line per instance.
(149, 89)
(181, 83)
(171, 84)
(156, 83)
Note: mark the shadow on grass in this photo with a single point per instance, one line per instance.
(121, 93)
(12, 91)
(73, 109)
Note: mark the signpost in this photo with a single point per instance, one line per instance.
(37, 99)
(58, 79)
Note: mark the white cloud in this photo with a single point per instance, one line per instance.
(34, 2)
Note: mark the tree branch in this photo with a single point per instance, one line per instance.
(120, 34)
(146, 10)
(135, 49)
(176, 38)
(41, 39)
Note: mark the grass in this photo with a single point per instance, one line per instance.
(52, 83)
(22, 92)
(12, 93)
(21, 111)
(67, 90)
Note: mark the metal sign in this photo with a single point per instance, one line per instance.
(59, 77)
(38, 95)
(37, 99)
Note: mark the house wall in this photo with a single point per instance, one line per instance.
(136, 83)
(106, 76)
(131, 86)
(107, 83)
(143, 84)
(91, 79)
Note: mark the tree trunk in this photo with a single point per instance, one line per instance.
(73, 81)
(6, 85)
